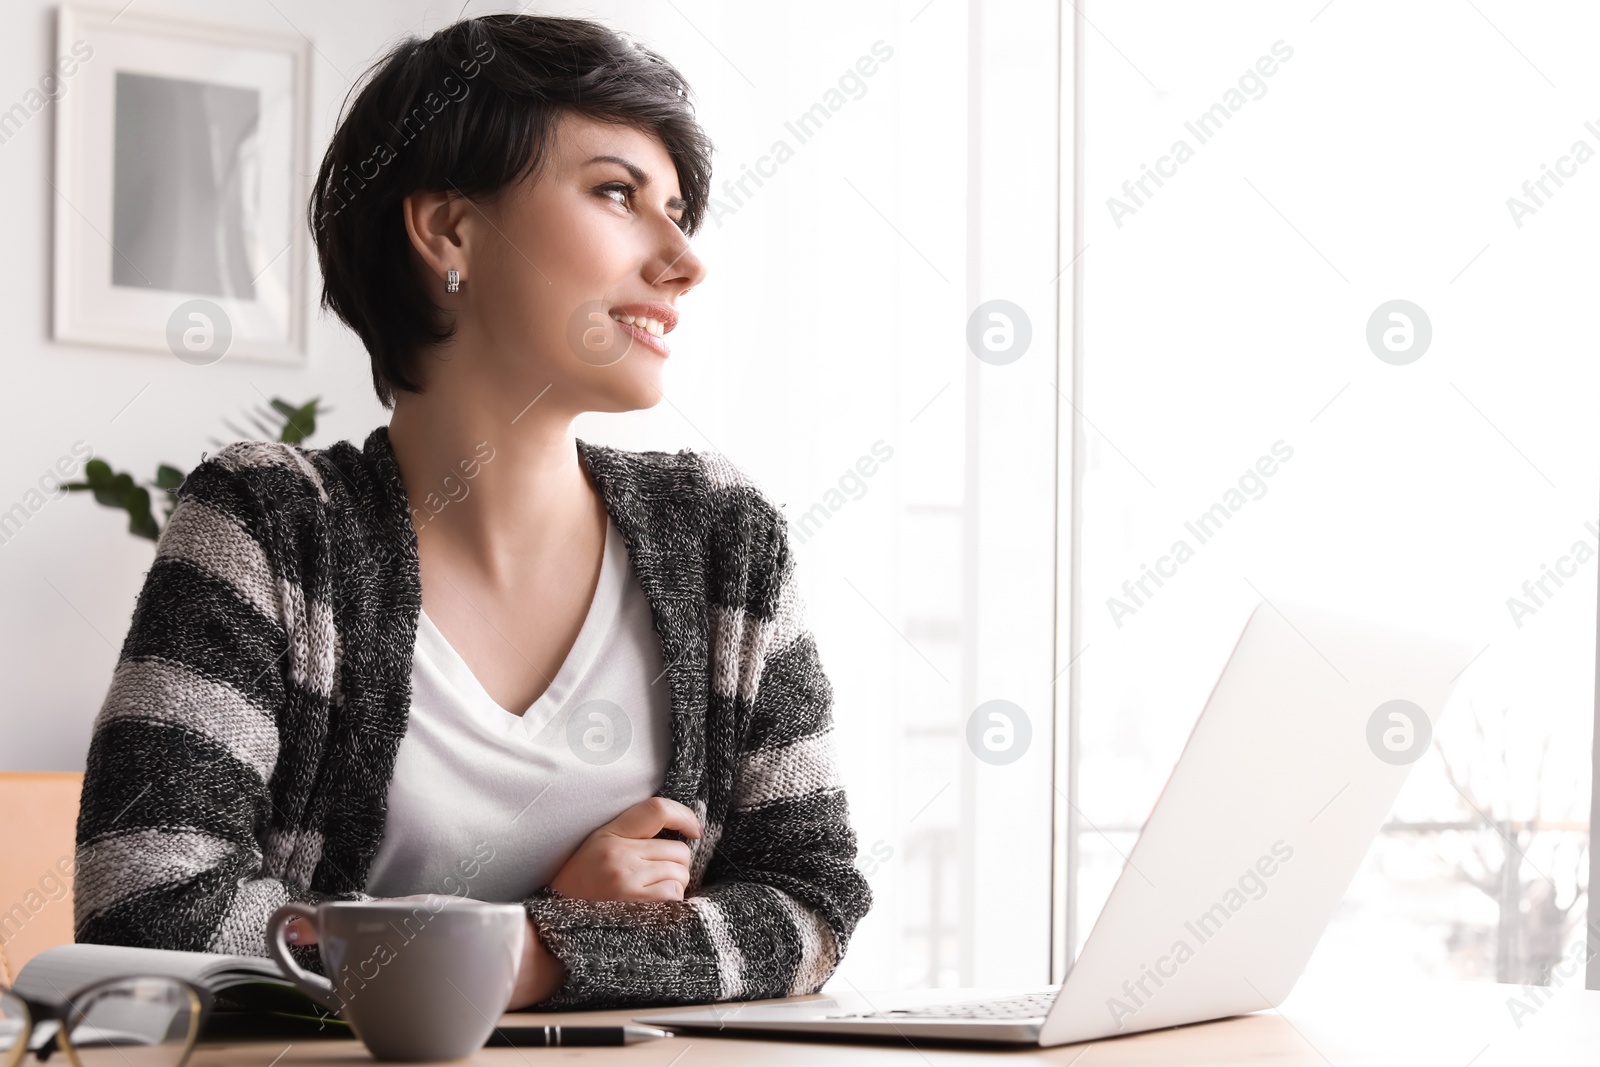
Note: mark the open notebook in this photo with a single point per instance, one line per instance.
(250, 993)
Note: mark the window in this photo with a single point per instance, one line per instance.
(1306, 237)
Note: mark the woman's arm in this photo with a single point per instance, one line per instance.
(176, 789)
(780, 896)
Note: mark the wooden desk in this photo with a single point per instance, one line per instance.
(1399, 1025)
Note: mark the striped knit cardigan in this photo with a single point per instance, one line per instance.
(243, 753)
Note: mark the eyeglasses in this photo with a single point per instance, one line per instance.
(119, 1022)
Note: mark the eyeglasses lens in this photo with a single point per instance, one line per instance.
(139, 1022)
(13, 1029)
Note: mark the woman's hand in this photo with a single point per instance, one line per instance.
(539, 974)
(299, 932)
(624, 860)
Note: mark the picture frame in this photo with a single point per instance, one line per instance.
(180, 187)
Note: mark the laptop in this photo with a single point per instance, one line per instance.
(1290, 770)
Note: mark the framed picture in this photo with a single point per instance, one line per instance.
(180, 187)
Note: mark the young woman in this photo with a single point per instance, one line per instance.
(478, 655)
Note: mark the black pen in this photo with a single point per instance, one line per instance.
(536, 1036)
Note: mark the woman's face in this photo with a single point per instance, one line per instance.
(554, 265)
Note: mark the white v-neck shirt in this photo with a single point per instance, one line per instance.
(488, 804)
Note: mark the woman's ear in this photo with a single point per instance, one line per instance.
(434, 223)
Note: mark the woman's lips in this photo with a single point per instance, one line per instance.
(658, 345)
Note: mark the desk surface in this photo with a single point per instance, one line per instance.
(1397, 1025)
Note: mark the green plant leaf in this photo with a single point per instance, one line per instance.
(168, 477)
(97, 472)
(140, 522)
(115, 489)
(96, 475)
(300, 422)
(111, 489)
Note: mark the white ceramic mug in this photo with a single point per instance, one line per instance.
(419, 979)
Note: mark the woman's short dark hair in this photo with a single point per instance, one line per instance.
(409, 129)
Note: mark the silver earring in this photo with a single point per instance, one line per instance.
(452, 281)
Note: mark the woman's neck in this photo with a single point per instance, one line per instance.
(496, 491)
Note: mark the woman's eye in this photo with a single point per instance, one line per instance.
(629, 191)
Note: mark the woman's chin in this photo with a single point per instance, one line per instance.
(634, 395)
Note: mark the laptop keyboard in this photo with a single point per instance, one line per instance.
(1027, 1006)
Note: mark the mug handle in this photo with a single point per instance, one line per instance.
(317, 988)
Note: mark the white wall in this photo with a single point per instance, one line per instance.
(69, 578)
